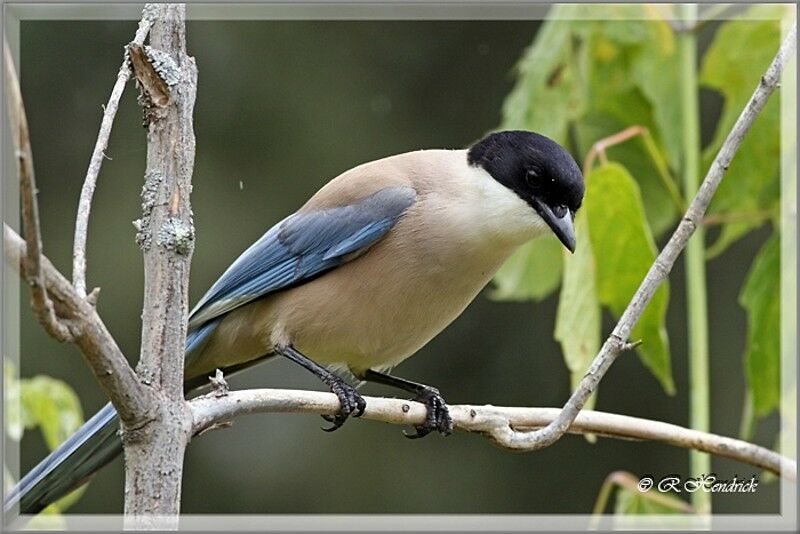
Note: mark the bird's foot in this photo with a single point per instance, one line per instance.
(438, 417)
(352, 404)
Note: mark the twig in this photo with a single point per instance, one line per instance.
(663, 264)
(96, 161)
(624, 479)
(500, 424)
(219, 384)
(32, 265)
(88, 332)
(599, 149)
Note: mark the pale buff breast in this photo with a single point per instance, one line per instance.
(382, 307)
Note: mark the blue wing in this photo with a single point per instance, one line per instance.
(298, 248)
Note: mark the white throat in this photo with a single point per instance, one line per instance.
(498, 210)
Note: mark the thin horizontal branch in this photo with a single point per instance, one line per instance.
(96, 161)
(500, 424)
(32, 265)
(116, 377)
(659, 271)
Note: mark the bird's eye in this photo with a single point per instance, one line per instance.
(560, 210)
(532, 177)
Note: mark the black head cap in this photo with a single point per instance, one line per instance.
(537, 169)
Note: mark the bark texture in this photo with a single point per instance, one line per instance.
(154, 452)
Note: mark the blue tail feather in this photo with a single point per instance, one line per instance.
(90, 448)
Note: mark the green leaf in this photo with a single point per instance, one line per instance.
(761, 297)
(656, 71)
(48, 519)
(634, 502)
(634, 82)
(532, 272)
(548, 93)
(636, 56)
(578, 316)
(623, 249)
(739, 54)
(69, 499)
(54, 406)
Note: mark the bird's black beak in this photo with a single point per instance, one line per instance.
(562, 227)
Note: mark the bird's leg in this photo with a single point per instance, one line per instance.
(438, 415)
(351, 402)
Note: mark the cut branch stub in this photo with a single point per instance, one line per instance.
(156, 73)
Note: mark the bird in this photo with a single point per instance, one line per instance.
(371, 268)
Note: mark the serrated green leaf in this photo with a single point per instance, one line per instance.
(55, 407)
(532, 272)
(761, 297)
(738, 56)
(578, 315)
(623, 249)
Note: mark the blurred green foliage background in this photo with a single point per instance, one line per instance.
(282, 107)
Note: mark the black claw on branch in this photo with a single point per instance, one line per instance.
(352, 404)
(438, 417)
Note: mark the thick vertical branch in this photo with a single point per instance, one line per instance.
(165, 231)
(154, 454)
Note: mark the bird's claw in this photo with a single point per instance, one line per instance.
(352, 404)
(438, 417)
